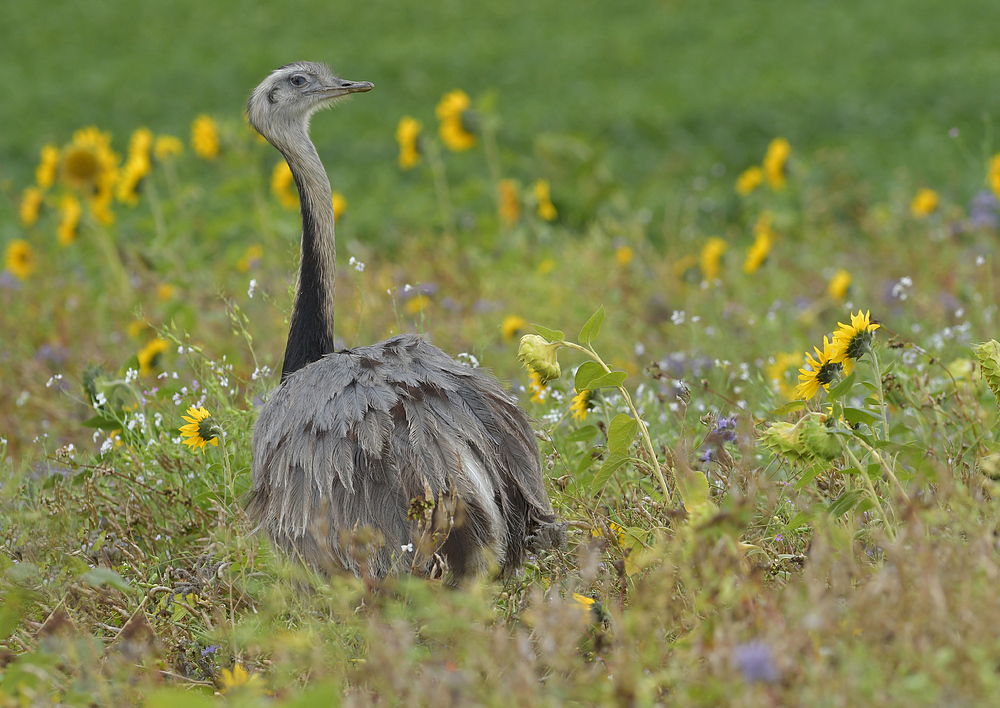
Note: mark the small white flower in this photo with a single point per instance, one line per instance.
(677, 317)
(106, 446)
(131, 375)
(252, 288)
(408, 548)
(358, 265)
(100, 398)
(57, 377)
(980, 260)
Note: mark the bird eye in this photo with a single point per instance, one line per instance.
(297, 80)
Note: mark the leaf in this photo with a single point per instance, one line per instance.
(105, 576)
(553, 335)
(808, 477)
(845, 502)
(102, 421)
(842, 388)
(797, 521)
(582, 434)
(593, 326)
(592, 376)
(856, 416)
(693, 486)
(611, 465)
(622, 432)
(789, 407)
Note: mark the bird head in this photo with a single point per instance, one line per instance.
(286, 99)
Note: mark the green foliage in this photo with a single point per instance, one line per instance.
(729, 542)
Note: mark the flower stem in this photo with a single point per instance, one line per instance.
(643, 430)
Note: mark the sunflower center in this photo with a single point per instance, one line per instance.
(859, 344)
(828, 373)
(207, 429)
(81, 165)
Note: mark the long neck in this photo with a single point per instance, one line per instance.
(310, 335)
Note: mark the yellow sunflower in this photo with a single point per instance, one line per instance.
(450, 111)
(510, 208)
(167, 146)
(581, 404)
(711, 257)
(839, 284)
(250, 259)
(69, 219)
(137, 165)
(818, 371)
(546, 209)
(89, 164)
(201, 429)
(339, 205)
(149, 355)
(924, 203)
(538, 389)
(511, 325)
(48, 167)
(283, 185)
(31, 204)
(205, 137)
(20, 259)
(994, 175)
(851, 342)
(624, 255)
(406, 135)
(749, 180)
(774, 162)
(763, 239)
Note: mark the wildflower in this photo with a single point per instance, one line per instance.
(763, 238)
(238, 678)
(774, 162)
(69, 210)
(450, 111)
(88, 161)
(359, 266)
(205, 137)
(755, 662)
(165, 291)
(776, 372)
(282, 185)
(406, 135)
(584, 604)
(511, 325)
(539, 355)
(710, 258)
(416, 305)
(581, 404)
(546, 210)
(149, 355)
(167, 146)
(839, 283)
(851, 342)
(31, 203)
(137, 165)
(201, 429)
(994, 174)
(818, 371)
(136, 328)
(624, 255)
(250, 259)
(749, 180)
(48, 168)
(537, 387)
(510, 209)
(20, 259)
(339, 205)
(546, 266)
(924, 203)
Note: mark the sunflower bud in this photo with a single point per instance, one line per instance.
(988, 355)
(539, 355)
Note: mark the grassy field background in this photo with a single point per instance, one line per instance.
(767, 543)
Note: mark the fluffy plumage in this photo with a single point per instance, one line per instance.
(394, 438)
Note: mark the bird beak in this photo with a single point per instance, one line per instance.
(342, 87)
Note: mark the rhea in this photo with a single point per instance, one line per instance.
(368, 439)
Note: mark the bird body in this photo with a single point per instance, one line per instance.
(396, 438)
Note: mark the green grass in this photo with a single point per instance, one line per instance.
(839, 551)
